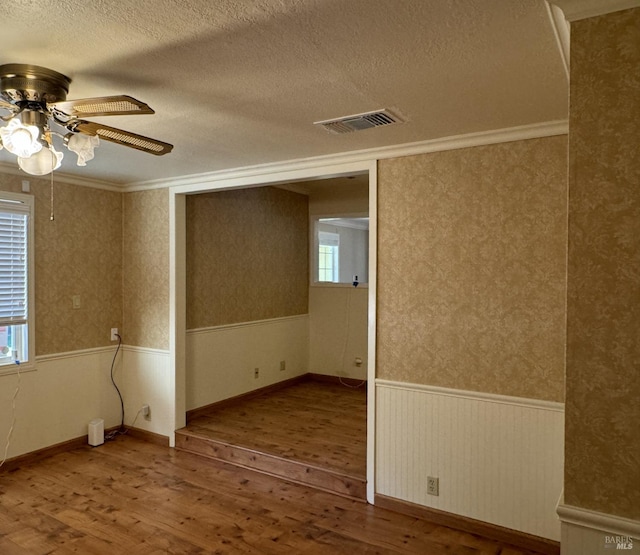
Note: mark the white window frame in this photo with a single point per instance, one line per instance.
(25, 204)
(333, 243)
(314, 244)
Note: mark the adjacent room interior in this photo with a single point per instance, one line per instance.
(276, 298)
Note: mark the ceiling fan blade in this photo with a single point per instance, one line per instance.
(102, 106)
(7, 105)
(118, 136)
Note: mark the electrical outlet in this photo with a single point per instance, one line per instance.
(114, 334)
(433, 485)
(146, 412)
(256, 373)
(283, 365)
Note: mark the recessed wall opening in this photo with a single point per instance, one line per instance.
(265, 338)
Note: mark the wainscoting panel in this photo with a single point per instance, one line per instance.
(499, 459)
(145, 380)
(55, 402)
(338, 331)
(221, 360)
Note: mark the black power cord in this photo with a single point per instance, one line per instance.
(121, 430)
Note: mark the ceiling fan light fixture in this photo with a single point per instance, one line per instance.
(21, 140)
(82, 145)
(37, 97)
(43, 162)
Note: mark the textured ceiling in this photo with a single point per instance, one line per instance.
(239, 82)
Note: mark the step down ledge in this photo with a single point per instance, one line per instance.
(297, 472)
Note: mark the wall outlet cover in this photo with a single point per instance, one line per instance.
(433, 485)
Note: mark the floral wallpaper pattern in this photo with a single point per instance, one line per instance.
(78, 253)
(472, 268)
(247, 256)
(146, 268)
(602, 451)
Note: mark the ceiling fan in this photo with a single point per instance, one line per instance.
(36, 97)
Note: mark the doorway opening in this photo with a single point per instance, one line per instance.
(182, 355)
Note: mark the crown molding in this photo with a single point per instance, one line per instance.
(574, 10)
(519, 133)
(524, 132)
(58, 177)
(561, 32)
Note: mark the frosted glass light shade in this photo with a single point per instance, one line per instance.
(83, 145)
(19, 139)
(41, 163)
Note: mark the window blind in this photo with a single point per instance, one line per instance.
(13, 265)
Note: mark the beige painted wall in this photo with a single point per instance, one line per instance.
(471, 268)
(247, 256)
(221, 361)
(338, 331)
(78, 253)
(339, 196)
(602, 471)
(146, 269)
(337, 335)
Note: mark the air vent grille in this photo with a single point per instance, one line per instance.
(360, 122)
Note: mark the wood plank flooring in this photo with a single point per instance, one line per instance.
(313, 421)
(313, 432)
(132, 497)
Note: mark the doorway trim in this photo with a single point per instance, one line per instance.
(271, 175)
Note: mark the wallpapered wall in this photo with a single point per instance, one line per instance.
(146, 269)
(471, 268)
(79, 253)
(602, 469)
(247, 256)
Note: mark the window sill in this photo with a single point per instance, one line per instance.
(12, 369)
(330, 284)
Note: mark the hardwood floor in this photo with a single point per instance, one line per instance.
(321, 423)
(311, 433)
(132, 497)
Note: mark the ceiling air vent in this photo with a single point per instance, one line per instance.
(360, 122)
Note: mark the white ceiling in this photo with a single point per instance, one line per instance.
(236, 83)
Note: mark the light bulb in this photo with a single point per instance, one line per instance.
(19, 139)
(41, 163)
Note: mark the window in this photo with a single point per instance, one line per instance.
(15, 283)
(340, 250)
(328, 256)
